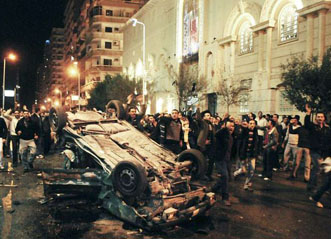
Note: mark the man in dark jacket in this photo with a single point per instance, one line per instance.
(36, 117)
(151, 128)
(249, 151)
(46, 133)
(27, 131)
(320, 135)
(206, 140)
(3, 136)
(224, 142)
(172, 133)
(270, 143)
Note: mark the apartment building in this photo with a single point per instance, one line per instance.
(93, 41)
(50, 71)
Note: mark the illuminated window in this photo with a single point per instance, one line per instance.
(246, 38)
(109, 13)
(288, 23)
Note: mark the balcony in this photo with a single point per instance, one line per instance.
(104, 52)
(95, 68)
(101, 18)
(106, 35)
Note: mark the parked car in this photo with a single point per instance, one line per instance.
(138, 180)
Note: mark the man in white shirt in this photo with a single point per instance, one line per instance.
(13, 137)
(262, 124)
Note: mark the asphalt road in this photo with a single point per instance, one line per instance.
(277, 209)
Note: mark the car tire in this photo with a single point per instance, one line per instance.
(129, 178)
(199, 164)
(118, 106)
(57, 119)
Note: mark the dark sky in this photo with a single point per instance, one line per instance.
(24, 27)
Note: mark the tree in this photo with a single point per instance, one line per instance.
(187, 84)
(113, 88)
(230, 94)
(307, 81)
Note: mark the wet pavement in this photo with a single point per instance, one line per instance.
(277, 209)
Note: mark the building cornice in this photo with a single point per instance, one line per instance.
(227, 40)
(263, 25)
(315, 8)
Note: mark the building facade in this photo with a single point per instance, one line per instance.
(50, 72)
(239, 42)
(93, 41)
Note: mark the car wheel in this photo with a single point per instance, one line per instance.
(57, 119)
(118, 106)
(198, 166)
(129, 178)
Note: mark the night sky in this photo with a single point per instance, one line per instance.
(24, 27)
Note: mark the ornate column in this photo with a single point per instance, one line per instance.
(232, 56)
(228, 43)
(260, 50)
(268, 54)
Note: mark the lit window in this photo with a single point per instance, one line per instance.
(288, 23)
(246, 38)
(109, 13)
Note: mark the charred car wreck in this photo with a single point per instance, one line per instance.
(135, 178)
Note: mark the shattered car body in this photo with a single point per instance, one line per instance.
(137, 180)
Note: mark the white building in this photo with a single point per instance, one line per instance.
(243, 41)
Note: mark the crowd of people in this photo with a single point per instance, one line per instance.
(224, 141)
(24, 137)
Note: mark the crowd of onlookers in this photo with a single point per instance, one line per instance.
(278, 144)
(24, 136)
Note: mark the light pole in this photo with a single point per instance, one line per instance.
(11, 57)
(134, 23)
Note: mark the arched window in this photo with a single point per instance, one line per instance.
(246, 38)
(288, 23)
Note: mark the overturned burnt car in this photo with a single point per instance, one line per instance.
(136, 179)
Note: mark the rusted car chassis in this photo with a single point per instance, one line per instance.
(136, 179)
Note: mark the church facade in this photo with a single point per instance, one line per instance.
(232, 43)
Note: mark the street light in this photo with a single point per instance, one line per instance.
(57, 91)
(134, 22)
(11, 57)
(73, 71)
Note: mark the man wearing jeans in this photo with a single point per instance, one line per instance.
(320, 135)
(248, 151)
(292, 139)
(27, 131)
(224, 143)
